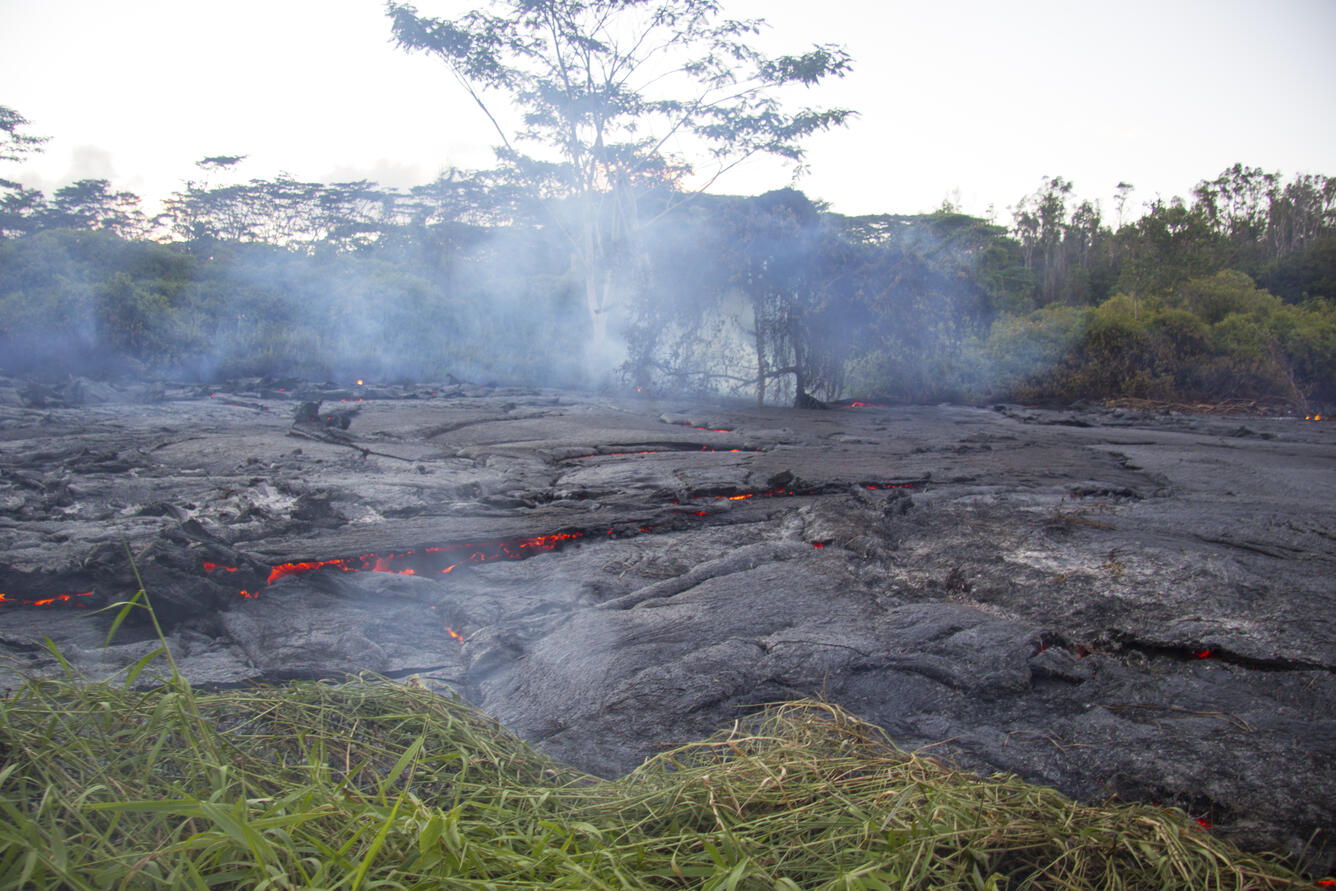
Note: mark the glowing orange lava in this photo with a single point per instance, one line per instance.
(444, 559)
(425, 561)
(43, 601)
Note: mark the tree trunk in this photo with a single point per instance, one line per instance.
(762, 370)
(762, 367)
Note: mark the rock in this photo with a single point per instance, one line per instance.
(1126, 605)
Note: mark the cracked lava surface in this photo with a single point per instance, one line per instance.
(1103, 601)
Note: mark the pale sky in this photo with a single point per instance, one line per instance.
(972, 100)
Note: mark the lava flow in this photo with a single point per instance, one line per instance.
(444, 559)
(781, 492)
(421, 561)
(44, 601)
(703, 448)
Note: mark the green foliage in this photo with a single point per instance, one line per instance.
(1217, 338)
(1306, 337)
(91, 204)
(585, 74)
(1307, 273)
(1228, 292)
(942, 367)
(374, 784)
(132, 319)
(1169, 245)
(476, 275)
(924, 292)
(84, 301)
(1019, 348)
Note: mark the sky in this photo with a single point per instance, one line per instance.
(972, 101)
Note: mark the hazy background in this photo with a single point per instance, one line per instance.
(971, 101)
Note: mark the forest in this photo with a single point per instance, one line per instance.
(601, 259)
(1228, 295)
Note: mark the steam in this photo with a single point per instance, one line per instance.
(90, 162)
(710, 298)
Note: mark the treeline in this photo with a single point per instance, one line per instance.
(1229, 294)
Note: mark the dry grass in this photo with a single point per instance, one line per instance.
(375, 784)
(1223, 407)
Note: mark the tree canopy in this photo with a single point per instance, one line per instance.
(621, 98)
(15, 145)
(1229, 293)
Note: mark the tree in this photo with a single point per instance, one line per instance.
(1170, 244)
(20, 208)
(1121, 193)
(1235, 202)
(282, 211)
(14, 146)
(218, 163)
(91, 204)
(618, 91)
(1064, 248)
(783, 252)
(1304, 211)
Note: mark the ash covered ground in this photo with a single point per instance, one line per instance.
(1111, 603)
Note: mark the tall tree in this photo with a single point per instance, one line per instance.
(1302, 212)
(619, 92)
(91, 204)
(787, 256)
(22, 210)
(14, 146)
(20, 207)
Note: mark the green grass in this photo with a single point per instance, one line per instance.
(373, 784)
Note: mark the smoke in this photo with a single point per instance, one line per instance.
(490, 311)
(724, 296)
(89, 162)
(48, 307)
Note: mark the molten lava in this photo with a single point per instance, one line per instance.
(444, 559)
(44, 601)
(424, 561)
